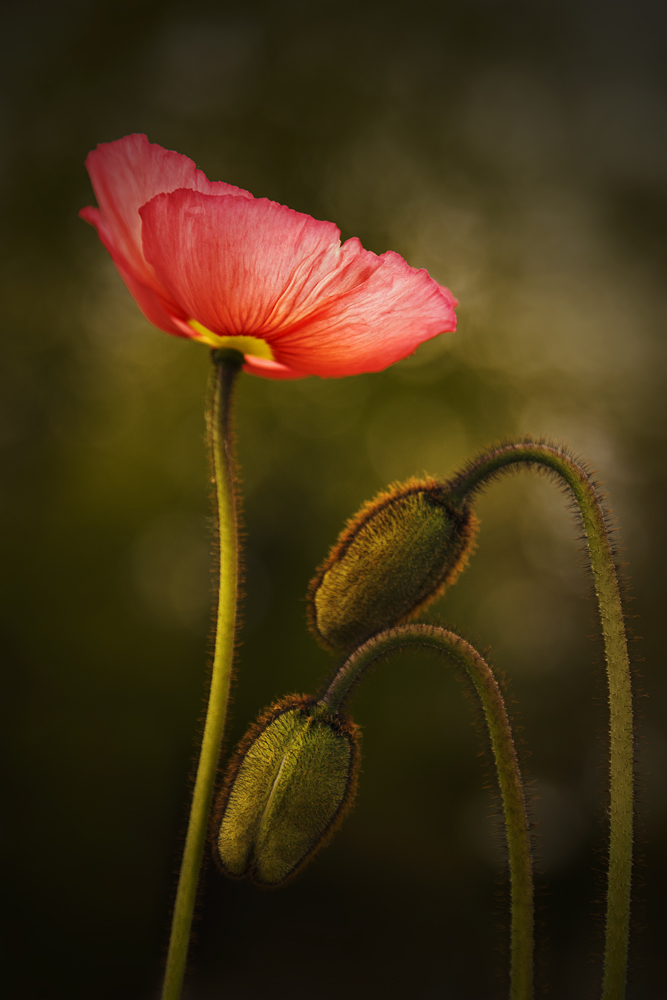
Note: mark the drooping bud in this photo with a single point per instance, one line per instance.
(289, 785)
(393, 558)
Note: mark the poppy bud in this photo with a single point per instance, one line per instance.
(393, 558)
(291, 781)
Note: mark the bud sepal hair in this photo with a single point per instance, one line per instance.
(396, 555)
(287, 789)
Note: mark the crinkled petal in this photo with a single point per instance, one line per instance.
(247, 267)
(127, 173)
(197, 254)
(269, 369)
(371, 326)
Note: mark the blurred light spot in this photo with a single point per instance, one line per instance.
(321, 408)
(413, 435)
(624, 127)
(172, 564)
(515, 119)
(530, 622)
(426, 365)
(202, 68)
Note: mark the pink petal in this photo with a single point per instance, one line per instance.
(372, 326)
(189, 249)
(242, 266)
(260, 269)
(127, 173)
(269, 369)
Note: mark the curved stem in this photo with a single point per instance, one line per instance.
(227, 365)
(474, 478)
(509, 778)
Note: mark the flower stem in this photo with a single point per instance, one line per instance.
(474, 478)
(227, 365)
(509, 778)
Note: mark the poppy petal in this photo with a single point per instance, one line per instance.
(371, 326)
(127, 173)
(269, 369)
(202, 256)
(245, 267)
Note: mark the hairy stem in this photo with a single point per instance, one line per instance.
(621, 751)
(509, 778)
(227, 365)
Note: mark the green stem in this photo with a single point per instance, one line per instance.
(227, 365)
(509, 778)
(621, 755)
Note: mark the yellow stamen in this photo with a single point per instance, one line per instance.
(246, 345)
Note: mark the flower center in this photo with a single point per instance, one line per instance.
(246, 345)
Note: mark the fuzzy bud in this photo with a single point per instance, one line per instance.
(291, 781)
(393, 558)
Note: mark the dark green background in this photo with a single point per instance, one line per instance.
(516, 150)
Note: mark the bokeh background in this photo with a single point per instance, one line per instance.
(518, 151)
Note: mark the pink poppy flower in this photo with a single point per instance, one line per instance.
(208, 261)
